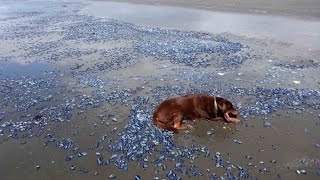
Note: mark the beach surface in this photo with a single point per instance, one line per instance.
(79, 81)
(296, 8)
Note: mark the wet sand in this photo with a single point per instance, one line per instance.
(301, 32)
(303, 9)
(95, 75)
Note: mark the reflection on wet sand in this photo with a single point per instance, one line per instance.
(302, 33)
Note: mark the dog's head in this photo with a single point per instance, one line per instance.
(227, 110)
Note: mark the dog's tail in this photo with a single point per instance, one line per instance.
(162, 125)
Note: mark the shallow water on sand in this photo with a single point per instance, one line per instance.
(303, 33)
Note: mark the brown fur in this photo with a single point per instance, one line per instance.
(171, 112)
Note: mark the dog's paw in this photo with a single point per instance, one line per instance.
(235, 120)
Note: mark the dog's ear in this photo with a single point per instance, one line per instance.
(222, 106)
(225, 105)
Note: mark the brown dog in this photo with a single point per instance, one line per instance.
(171, 112)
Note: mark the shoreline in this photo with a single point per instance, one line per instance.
(301, 10)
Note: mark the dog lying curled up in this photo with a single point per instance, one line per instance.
(171, 112)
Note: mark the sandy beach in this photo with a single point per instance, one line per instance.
(303, 9)
(79, 81)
